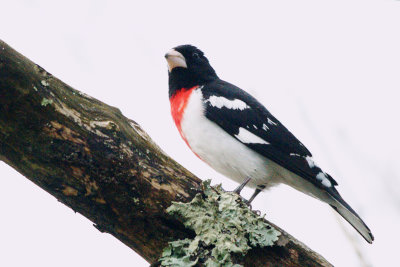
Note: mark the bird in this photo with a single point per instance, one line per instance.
(236, 135)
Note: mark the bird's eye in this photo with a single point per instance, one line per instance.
(195, 55)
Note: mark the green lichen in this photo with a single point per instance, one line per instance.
(223, 224)
(46, 102)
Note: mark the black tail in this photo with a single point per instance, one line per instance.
(351, 216)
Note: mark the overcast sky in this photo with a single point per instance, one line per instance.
(328, 70)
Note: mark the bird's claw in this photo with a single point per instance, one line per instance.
(243, 200)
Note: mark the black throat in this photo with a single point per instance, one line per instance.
(180, 78)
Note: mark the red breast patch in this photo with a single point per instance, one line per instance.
(178, 104)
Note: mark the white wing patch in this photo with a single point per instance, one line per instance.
(220, 101)
(323, 179)
(310, 162)
(249, 138)
(265, 127)
(271, 122)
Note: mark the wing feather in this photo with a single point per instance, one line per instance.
(232, 108)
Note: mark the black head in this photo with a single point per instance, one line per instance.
(188, 67)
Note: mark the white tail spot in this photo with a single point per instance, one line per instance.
(323, 179)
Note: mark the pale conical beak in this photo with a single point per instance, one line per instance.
(175, 59)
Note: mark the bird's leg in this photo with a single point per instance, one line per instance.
(258, 190)
(240, 187)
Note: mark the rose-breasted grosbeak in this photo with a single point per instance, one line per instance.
(237, 136)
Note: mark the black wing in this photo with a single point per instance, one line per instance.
(283, 147)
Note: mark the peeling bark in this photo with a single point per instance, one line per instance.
(103, 165)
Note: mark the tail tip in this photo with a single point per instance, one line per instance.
(371, 238)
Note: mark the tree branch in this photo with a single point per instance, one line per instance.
(103, 165)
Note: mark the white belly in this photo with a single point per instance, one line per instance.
(223, 152)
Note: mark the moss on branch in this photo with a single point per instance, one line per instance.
(225, 229)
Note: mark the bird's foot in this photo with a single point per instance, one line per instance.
(245, 201)
(256, 212)
(240, 198)
(240, 188)
(248, 204)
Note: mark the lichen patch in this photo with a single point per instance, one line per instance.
(46, 102)
(69, 191)
(44, 83)
(223, 226)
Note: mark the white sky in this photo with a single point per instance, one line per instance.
(328, 70)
